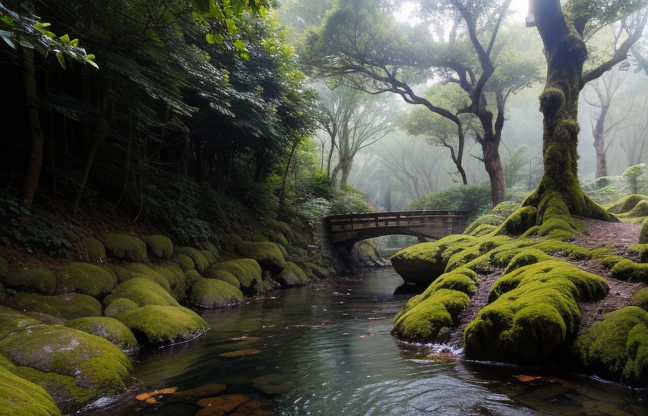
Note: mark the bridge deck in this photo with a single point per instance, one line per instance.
(347, 229)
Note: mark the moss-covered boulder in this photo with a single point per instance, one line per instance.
(74, 367)
(518, 222)
(281, 227)
(209, 257)
(33, 279)
(154, 324)
(159, 246)
(4, 267)
(292, 276)
(200, 262)
(212, 249)
(316, 270)
(626, 204)
(67, 306)
(176, 278)
(643, 234)
(3, 294)
(268, 255)
(223, 275)
(144, 271)
(107, 328)
(184, 262)
(127, 247)
(425, 316)
(525, 257)
(247, 271)
(85, 278)
(214, 293)
(532, 313)
(640, 299)
(616, 348)
(143, 292)
(19, 397)
(629, 270)
(96, 250)
(121, 275)
(118, 306)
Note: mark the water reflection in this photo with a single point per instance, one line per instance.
(331, 345)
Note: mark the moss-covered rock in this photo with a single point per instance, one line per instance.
(493, 220)
(122, 246)
(67, 306)
(120, 274)
(214, 293)
(85, 278)
(176, 278)
(212, 249)
(616, 348)
(118, 306)
(143, 292)
(96, 250)
(3, 294)
(92, 363)
(532, 313)
(107, 328)
(154, 324)
(184, 262)
(34, 279)
(247, 271)
(4, 267)
(200, 262)
(19, 397)
(626, 204)
(640, 299)
(223, 275)
(629, 270)
(209, 257)
(643, 234)
(292, 276)
(525, 257)
(426, 317)
(268, 255)
(640, 210)
(142, 270)
(423, 263)
(159, 245)
(281, 227)
(518, 222)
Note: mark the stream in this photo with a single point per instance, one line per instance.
(326, 350)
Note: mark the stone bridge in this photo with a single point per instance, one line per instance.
(348, 229)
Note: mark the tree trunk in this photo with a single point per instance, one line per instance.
(559, 193)
(345, 168)
(493, 165)
(599, 142)
(32, 176)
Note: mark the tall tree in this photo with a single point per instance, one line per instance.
(564, 31)
(360, 42)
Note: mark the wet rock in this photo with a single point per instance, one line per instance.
(217, 406)
(273, 384)
(292, 276)
(202, 391)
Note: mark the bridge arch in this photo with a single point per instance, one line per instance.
(347, 229)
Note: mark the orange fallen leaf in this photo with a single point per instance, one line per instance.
(239, 353)
(151, 400)
(525, 378)
(370, 334)
(143, 396)
(169, 390)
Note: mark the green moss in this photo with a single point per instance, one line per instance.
(316, 270)
(198, 258)
(191, 277)
(108, 328)
(268, 255)
(68, 306)
(143, 292)
(120, 274)
(640, 210)
(610, 261)
(643, 234)
(155, 324)
(93, 362)
(96, 250)
(642, 250)
(118, 306)
(532, 313)
(209, 257)
(223, 275)
(214, 293)
(3, 294)
(525, 257)
(629, 270)
(292, 275)
(247, 271)
(281, 227)
(599, 253)
(518, 222)
(158, 245)
(626, 203)
(616, 348)
(425, 318)
(19, 397)
(122, 246)
(176, 278)
(185, 262)
(455, 281)
(481, 230)
(141, 270)
(85, 278)
(4, 267)
(640, 299)
(33, 279)
(212, 249)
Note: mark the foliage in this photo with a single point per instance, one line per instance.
(475, 199)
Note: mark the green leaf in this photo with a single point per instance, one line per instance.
(61, 58)
(210, 38)
(239, 45)
(245, 56)
(8, 20)
(65, 38)
(231, 26)
(74, 42)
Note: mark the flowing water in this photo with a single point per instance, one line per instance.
(327, 351)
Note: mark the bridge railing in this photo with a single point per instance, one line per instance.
(349, 222)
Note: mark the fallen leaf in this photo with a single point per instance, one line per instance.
(370, 334)
(239, 353)
(143, 396)
(151, 400)
(525, 378)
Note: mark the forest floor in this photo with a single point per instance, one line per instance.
(600, 234)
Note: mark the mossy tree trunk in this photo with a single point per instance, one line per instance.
(559, 192)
